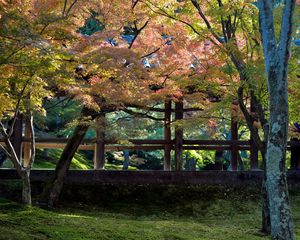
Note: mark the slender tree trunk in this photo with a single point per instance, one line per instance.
(53, 188)
(13, 151)
(26, 191)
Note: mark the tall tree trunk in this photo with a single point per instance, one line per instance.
(281, 222)
(276, 56)
(53, 188)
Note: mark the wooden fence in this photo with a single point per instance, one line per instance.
(21, 142)
(147, 145)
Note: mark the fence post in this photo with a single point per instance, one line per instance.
(167, 135)
(234, 136)
(27, 145)
(253, 147)
(178, 136)
(99, 153)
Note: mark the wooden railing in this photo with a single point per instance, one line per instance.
(178, 144)
(142, 144)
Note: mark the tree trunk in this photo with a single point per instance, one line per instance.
(26, 191)
(126, 160)
(53, 188)
(266, 218)
(99, 153)
(276, 56)
(281, 222)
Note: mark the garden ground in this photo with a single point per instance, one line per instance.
(233, 216)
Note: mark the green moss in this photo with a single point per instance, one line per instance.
(50, 159)
(222, 219)
(80, 161)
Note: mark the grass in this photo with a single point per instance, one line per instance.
(80, 161)
(233, 217)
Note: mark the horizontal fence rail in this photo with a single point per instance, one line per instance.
(143, 144)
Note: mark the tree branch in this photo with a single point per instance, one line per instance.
(138, 33)
(141, 115)
(286, 30)
(207, 23)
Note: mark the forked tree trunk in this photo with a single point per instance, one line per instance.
(276, 56)
(22, 169)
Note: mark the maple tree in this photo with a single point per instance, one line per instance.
(29, 61)
(119, 56)
(234, 29)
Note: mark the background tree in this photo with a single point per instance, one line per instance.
(29, 60)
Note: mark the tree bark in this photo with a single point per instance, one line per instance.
(281, 222)
(266, 218)
(276, 182)
(26, 191)
(276, 56)
(53, 188)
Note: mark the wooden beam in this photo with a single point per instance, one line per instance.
(253, 148)
(234, 136)
(178, 136)
(216, 142)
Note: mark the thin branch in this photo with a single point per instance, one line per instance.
(12, 54)
(141, 115)
(57, 103)
(138, 33)
(65, 6)
(3, 130)
(149, 54)
(166, 14)
(134, 3)
(71, 6)
(286, 30)
(17, 108)
(249, 121)
(5, 150)
(207, 23)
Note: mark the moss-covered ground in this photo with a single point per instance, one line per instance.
(233, 216)
(49, 161)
